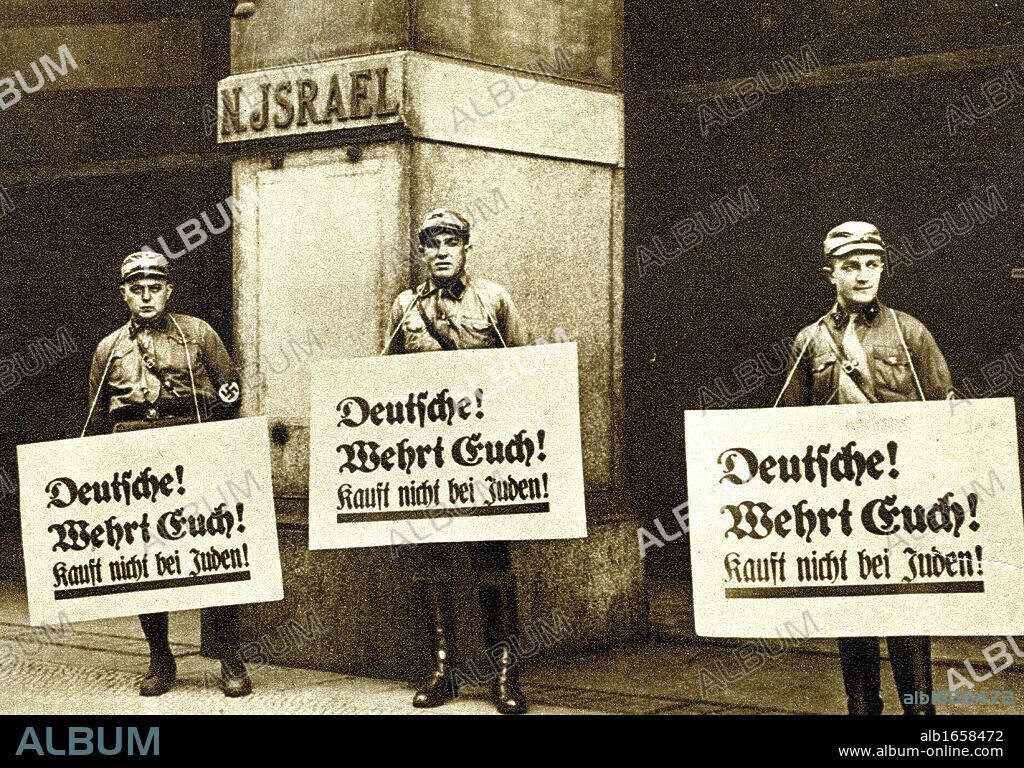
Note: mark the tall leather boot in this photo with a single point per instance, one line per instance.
(440, 687)
(911, 659)
(234, 679)
(220, 637)
(162, 669)
(860, 658)
(500, 612)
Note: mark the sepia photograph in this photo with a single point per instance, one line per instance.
(557, 357)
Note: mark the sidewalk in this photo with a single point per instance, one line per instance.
(94, 668)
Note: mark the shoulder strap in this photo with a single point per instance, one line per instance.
(796, 362)
(850, 368)
(150, 362)
(398, 325)
(445, 342)
(490, 319)
(188, 361)
(103, 379)
(903, 341)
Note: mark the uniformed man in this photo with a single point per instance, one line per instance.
(862, 351)
(162, 369)
(452, 310)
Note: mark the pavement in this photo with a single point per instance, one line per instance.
(94, 668)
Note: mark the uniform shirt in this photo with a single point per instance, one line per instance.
(130, 382)
(816, 380)
(462, 312)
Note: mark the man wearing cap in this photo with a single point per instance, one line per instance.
(158, 370)
(451, 310)
(862, 351)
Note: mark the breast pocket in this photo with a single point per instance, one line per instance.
(180, 361)
(413, 325)
(477, 332)
(179, 345)
(892, 371)
(414, 334)
(823, 372)
(477, 324)
(120, 369)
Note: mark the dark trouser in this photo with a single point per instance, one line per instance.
(480, 583)
(910, 658)
(224, 619)
(462, 560)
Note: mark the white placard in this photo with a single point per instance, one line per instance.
(878, 519)
(468, 445)
(163, 519)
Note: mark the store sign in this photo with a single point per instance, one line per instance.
(310, 98)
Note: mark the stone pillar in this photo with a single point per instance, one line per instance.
(379, 113)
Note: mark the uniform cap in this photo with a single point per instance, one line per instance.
(444, 220)
(853, 236)
(143, 264)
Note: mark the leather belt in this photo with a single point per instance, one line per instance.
(166, 421)
(154, 412)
